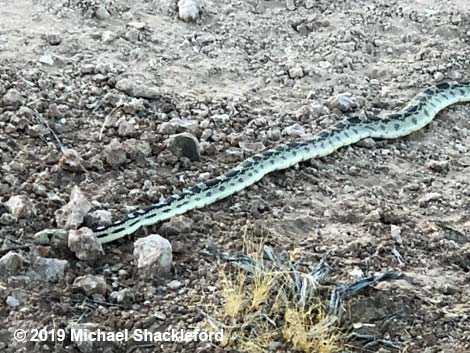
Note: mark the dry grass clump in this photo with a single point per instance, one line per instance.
(269, 305)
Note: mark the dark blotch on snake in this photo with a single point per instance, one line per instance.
(212, 182)
(396, 127)
(413, 109)
(354, 120)
(222, 188)
(117, 230)
(443, 85)
(232, 173)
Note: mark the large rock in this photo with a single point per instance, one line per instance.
(72, 214)
(153, 255)
(85, 245)
(185, 145)
(20, 206)
(91, 284)
(49, 269)
(10, 263)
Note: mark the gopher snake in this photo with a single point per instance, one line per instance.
(420, 111)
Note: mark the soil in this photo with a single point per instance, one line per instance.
(246, 75)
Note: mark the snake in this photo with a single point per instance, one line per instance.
(419, 112)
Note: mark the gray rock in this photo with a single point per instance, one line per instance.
(168, 128)
(429, 197)
(234, 155)
(290, 5)
(153, 255)
(138, 89)
(72, 214)
(185, 145)
(91, 284)
(318, 110)
(132, 35)
(10, 263)
(367, 143)
(20, 206)
(100, 217)
(395, 232)
(12, 98)
(71, 161)
(101, 13)
(134, 106)
(125, 128)
(114, 154)
(437, 166)
(177, 225)
(53, 39)
(124, 296)
(49, 269)
(187, 125)
(344, 102)
(85, 245)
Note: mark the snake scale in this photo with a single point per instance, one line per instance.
(419, 112)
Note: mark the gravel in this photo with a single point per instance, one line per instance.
(113, 80)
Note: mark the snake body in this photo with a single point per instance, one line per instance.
(419, 112)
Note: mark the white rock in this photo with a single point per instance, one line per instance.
(189, 10)
(12, 301)
(356, 273)
(296, 72)
(72, 214)
(46, 59)
(91, 284)
(85, 245)
(294, 130)
(153, 255)
(20, 206)
(175, 284)
(395, 232)
(108, 36)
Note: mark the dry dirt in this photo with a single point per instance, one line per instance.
(240, 79)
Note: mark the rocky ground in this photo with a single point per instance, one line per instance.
(114, 80)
